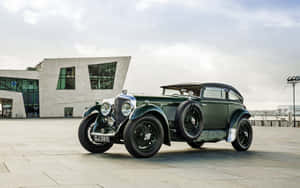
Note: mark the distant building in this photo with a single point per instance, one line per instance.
(60, 87)
(283, 112)
(287, 109)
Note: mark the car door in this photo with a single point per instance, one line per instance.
(215, 107)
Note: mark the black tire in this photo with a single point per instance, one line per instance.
(143, 137)
(244, 136)
(86, 140)
(189, 120)
(196, 145)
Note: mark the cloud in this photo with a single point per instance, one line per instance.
(275, 19)
(31, 17)
(92, 50)
(141, 5)
(251, 45)
(11, 62)
(188, 55)
(34, 11)
(268, 17)
(13, 5)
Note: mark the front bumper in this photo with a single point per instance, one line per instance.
(107, 126)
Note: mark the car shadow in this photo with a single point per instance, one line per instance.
(204, 154)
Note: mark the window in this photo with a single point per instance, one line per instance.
(234, 96)
(66, 78)
(28, 88)
(214, 92)
(8, 84)
(68, 112)
(171, 92)
(102, 76)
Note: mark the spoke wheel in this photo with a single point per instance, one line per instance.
(143, 137)
(244, 136)
(192, 121)
(189, 120)
(87, 140)
(146, 135)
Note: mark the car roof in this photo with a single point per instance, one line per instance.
(201, 85)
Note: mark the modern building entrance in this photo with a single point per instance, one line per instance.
(5, 108)
(30, 91)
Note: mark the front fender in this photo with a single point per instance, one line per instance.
(144, 109)
(157, 112)
(92, 109)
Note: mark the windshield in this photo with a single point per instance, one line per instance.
(175, 92)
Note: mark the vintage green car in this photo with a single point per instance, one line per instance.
(193, 112)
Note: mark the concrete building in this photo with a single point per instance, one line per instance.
(61, 87)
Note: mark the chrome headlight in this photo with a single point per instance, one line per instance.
(126, 108)
(105, 108)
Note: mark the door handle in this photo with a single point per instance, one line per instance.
(203, 104)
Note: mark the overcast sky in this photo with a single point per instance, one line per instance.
(253, 45)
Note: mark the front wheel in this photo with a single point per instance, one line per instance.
(87, 140)
(143, 137)
(244, 136)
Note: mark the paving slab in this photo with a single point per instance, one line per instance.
(46, 153)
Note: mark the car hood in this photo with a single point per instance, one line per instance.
(160, 99)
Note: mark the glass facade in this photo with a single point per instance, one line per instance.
(30, 90)
(66, 78)
(102, 76)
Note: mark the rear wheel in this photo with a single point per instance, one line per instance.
(87, 140)
(244, 136)
(196, 145)
(143, 137)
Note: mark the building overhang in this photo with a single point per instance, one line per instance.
(21, 74)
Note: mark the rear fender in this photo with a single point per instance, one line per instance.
(234, 121)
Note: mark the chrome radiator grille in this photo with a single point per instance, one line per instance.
(119, 101)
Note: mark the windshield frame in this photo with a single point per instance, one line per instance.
(181, 92)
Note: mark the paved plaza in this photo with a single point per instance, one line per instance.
(46, 153)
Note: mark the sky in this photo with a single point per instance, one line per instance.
(253, 45)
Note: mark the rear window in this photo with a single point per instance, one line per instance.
(214, 93)
(234, 96)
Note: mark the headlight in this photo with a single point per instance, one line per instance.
(126, 109)
(105, 108)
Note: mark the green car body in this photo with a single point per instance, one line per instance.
(215, 110)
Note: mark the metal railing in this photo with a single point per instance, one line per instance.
(274, 123)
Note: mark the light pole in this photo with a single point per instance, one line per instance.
(294, 80)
